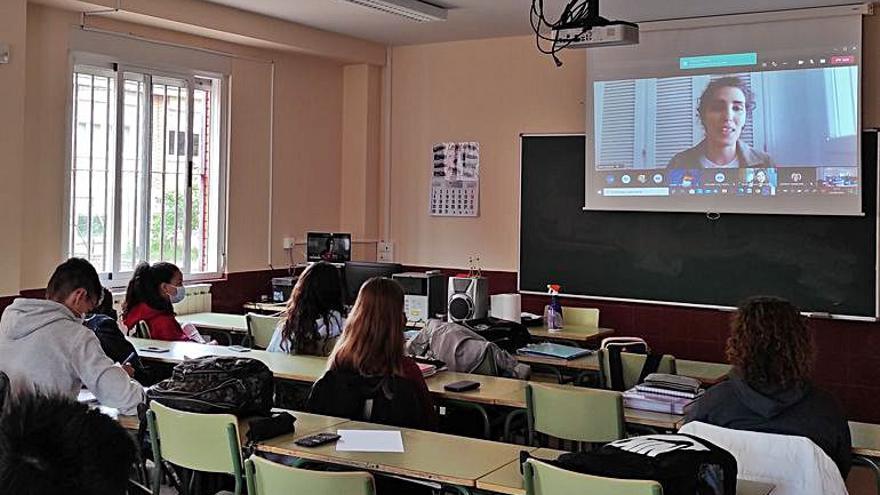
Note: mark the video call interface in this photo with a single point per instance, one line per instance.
(740, 126)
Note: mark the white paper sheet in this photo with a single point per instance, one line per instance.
(369, 441)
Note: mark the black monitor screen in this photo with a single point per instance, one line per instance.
(326, 246)
(358, 272)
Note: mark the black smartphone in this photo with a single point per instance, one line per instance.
(154, 349)
(462, 386)
(317, 440)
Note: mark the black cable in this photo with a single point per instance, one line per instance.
(577, 14)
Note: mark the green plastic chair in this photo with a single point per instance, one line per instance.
(142, 330)
(632, 367)
(544, 479)
(268, 478)
(588, 317)
(574, 413)
(201, 442)
(260, 329)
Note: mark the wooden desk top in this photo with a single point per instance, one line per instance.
(708, 373)
(508, 479)
(265, 306)
(493, 390)
(865, 439)
(216, 321)
(574, 333)
(429, 456)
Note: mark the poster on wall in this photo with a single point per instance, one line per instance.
(455, 180)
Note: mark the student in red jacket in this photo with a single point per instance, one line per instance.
(149, 297)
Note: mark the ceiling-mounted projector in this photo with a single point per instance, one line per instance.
(578, 26)
(612, 34)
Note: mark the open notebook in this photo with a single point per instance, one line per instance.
(553, 350)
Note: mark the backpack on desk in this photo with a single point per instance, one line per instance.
(682, 464)
(217, 384)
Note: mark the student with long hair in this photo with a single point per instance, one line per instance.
(368, 364)
(770, 389)
(150, 296)
(315, 313)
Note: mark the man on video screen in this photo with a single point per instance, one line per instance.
(724, 107)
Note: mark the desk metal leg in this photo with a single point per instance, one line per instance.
(509, 420)
(871, 464)
(487, 425)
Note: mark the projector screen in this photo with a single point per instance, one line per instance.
(756, 113)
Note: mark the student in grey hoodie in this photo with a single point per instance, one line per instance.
(45, 347)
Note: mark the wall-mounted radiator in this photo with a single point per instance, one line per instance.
(197, 300)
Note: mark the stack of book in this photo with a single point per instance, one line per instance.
(663, 393)
(427, 369)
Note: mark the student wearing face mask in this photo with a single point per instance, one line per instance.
(150, 296)
(725, 106)
(44, 345)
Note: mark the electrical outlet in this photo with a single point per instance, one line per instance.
(385, 251)
(288, 242)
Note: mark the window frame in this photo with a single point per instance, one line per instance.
(103, 65)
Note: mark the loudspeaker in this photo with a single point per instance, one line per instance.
(468, 298)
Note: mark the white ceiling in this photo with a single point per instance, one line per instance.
(472, 19)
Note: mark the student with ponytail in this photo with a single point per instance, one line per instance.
(150, 296)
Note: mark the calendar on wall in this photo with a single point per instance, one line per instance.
(455, 180)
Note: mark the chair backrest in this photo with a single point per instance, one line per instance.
(574, 413)
(632, 367)
(794, 464)
(588, 317)
(260, 329)
(142, 330)
(487, 365)
(268, 478)
(202, 442)
(544, 479)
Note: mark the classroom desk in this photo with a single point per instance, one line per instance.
(451, 460)
(707, 373)
(509, 480)
(216, 321)
(579, 334)
(268, 307)
(866, 447)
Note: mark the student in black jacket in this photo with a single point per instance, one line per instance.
(770, 389)
(103, 321)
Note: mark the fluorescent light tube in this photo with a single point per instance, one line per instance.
(413, 10)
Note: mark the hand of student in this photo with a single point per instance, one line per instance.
(128, 370)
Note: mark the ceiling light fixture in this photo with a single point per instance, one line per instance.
(413, 10)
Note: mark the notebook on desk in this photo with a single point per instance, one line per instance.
(550, 349)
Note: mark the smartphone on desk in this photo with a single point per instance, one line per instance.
(155, 349)
(317, 440)
(462, 386)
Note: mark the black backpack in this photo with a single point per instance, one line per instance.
(217, 384)
(682, 464)
(508, 335)
(387, 400)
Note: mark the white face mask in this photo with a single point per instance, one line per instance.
(178, 295)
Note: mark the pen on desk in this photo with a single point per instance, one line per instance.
(129, 358)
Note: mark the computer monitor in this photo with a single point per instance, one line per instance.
(358, 272)
(328, 246)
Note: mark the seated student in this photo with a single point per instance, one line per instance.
(770, 389)
(102, 321)
(314, 317)
(44, 345)
(368, 377)
(151, 293)
(53, 444)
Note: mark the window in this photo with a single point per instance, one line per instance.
(152, 190)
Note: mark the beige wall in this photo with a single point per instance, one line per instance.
(307, 147)
(12, 140)
(491, 91)
(488, 91)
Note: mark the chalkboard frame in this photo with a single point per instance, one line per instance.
(870, 210)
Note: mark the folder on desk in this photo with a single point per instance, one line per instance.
(550, 349)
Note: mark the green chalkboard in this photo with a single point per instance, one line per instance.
(821, 263)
